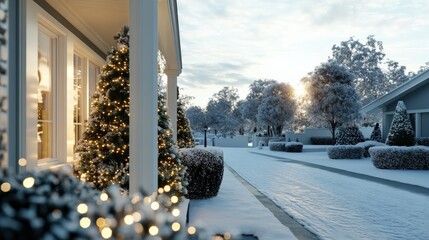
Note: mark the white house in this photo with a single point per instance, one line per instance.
(415, 94)
(52, 54)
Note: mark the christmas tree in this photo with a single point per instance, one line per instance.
(171, 177)
(104, 149)
(401, 132)
(376, 133)
(184, 132)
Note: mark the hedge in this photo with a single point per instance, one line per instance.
(205, 171)
(293, 147)
(345, 152)
(423, 141)
(277, 146)
(367, 144)
(400, 157)
(322, 141)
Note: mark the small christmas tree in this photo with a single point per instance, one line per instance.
(349, 135)
(171, 171)
(184, 132)
(401, 132)
(376, 133)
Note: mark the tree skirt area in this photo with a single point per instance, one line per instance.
(236, 211)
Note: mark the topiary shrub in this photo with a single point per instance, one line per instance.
(376, 134)
(322, 141)
(368, 144)
(294, 147)
(400, 157)
(277, 146)
(345, 152)
(401, 132)
(349, 135)
(205, 171)
(423, 141)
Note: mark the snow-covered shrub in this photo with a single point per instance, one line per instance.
(293, 147)
(55, 205)
(205, 171)
(322, 141)
(400, 157)
(349, 135)
(376, 134)
(368, 144)
(345, 152)
(423, 141)
(276, 146)
(401, 132)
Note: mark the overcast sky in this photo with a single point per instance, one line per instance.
(234, 42)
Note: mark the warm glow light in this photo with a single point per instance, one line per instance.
(300, 90)
(106, 233)
(138, 228)
(154, 206)
(175, 212)
(137, 217)
(167, 188)
(192, 230)
(22, 162)
(227, 236)
(85, 222)
(82, 208)
(153, 230)
(175, 226)
(28, 182)
(100, 222)
(5, 187)
(128, 219)
(104, 197)
(174, 199)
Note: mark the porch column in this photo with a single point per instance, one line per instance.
(143, 96)
(418, 125)
(172, 99)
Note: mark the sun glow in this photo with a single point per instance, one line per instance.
(300, 90)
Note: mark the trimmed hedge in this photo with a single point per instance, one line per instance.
(277, 146)
(205, 171)
(349, 135)
(293, 147)
(322, 141)
(368, 144)
(423, 141)
(345, 152)
(400, 157)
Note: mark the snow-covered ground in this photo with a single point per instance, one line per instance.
(331, 205)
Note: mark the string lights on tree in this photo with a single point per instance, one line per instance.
(184, 131)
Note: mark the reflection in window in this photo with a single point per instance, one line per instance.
(78, 120)
(45, 118)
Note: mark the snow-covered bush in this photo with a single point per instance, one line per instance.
(293, 147)
(400, 157)
(345, 152)
(349, 135)
(401, 132)
(205, 171)
(55, 205)
(376, 134)
(368, 144)
(322, 141)
(276, 146)
(423, 141)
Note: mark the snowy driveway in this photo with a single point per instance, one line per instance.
(334, 206)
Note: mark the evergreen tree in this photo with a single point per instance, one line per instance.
(104, 149)
(376, 133)
(184, 132)
(349, 134)
(401, 132)
(171, 175)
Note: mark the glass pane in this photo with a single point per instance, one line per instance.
(45, 96)
(78, 98)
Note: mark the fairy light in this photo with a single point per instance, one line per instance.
(82, 208)
(106, 233)
(175, 226)
(153, 230)
(100, 222)
(5, 187)
(192, 230)
(167, 188)
(175, 212)
(104, 197)
(137, 217)
(22, 162)
(154, 206)
(174, 199)
(85, 222)
(128, 219)
(28, 182)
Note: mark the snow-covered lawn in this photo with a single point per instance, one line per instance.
(331, 205)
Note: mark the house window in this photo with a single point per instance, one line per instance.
(78, 99)
(46, 94)
(93, 77)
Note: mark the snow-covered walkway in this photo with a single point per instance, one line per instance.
(338, 206)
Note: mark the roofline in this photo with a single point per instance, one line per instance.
(399, 91)
(176, 33)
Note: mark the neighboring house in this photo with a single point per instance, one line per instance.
(56, 49)
(415, 94)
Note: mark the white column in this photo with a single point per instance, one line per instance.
(418, 124)
(172, 99)
(143, 95)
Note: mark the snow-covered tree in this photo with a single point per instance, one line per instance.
(197, 117)
(401, 131)
(249, 108)
(366, 62)
(220, 108)
(376, 133)
(277, 107)
(349, 134)
(332, 95)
